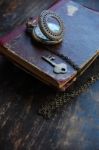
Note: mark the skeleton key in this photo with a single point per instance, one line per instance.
(58, 68)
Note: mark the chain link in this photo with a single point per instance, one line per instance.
(47, 110)
(65, 58)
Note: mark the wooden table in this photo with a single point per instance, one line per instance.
(73, 127)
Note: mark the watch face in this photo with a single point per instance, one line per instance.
(40, 37)
(39, 34)
(52, 26)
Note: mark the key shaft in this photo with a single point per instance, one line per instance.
(49, 61)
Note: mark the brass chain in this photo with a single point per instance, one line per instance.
(65, 58)
(48, 109)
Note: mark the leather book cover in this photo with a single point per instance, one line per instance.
(78, 49)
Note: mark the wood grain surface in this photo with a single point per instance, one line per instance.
(75, 126)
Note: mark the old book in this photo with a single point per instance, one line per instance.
(78, 49)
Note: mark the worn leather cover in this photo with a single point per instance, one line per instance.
(81, 44)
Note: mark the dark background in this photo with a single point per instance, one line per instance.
(74, 127)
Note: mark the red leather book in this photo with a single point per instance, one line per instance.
(78, 49)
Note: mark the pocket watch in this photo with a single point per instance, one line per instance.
(49, 28)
